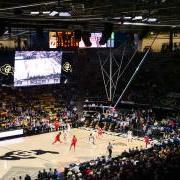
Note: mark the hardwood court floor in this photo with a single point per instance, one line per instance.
(30, 154)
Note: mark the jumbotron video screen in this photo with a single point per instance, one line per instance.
(37, 68)
(95, 38)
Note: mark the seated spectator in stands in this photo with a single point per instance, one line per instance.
(27, 177)
(40, 175)
(135, 164)
(50, 173)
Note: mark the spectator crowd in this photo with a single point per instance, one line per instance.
(36, 110)
(160, 162)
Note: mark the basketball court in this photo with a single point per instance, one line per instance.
(27, 155)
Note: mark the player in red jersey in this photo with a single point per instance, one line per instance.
(56, 125)
(73, 142)
(57, 138)
(146, 140)
(100, 132)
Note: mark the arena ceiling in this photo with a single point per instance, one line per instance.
(91, 14)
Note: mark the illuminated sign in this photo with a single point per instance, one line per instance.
(7, 69)
(62, 39)
(95, 38)
(67, 67)
(53, 42)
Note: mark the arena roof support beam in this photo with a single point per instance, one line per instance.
(134, 74)
(28, 6)
(113, 69)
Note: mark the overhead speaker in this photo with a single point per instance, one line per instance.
(77, 35)
(86, 38)
(106, 34)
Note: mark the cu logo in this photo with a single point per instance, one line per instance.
(19, 154)
(67, 67)
(7, 69)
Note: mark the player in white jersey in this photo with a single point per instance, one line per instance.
(68, 128)
(65, 135)
(129, 136)
(92, 137)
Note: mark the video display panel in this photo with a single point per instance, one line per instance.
(62, 39)
(37, 67)
(67, 39)
(95, 38)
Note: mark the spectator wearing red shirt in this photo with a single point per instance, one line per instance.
(56, 125)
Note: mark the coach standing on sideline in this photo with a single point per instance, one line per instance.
(109, 148)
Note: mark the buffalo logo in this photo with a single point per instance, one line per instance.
(17, 155)
(7, 69)
(67, 67)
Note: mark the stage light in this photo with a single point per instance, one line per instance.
(35, 13)
(126, 18)
(152, 20)
(117, 18)
(53, 13)
(137, 18)
(46, 12)
(64, 14)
